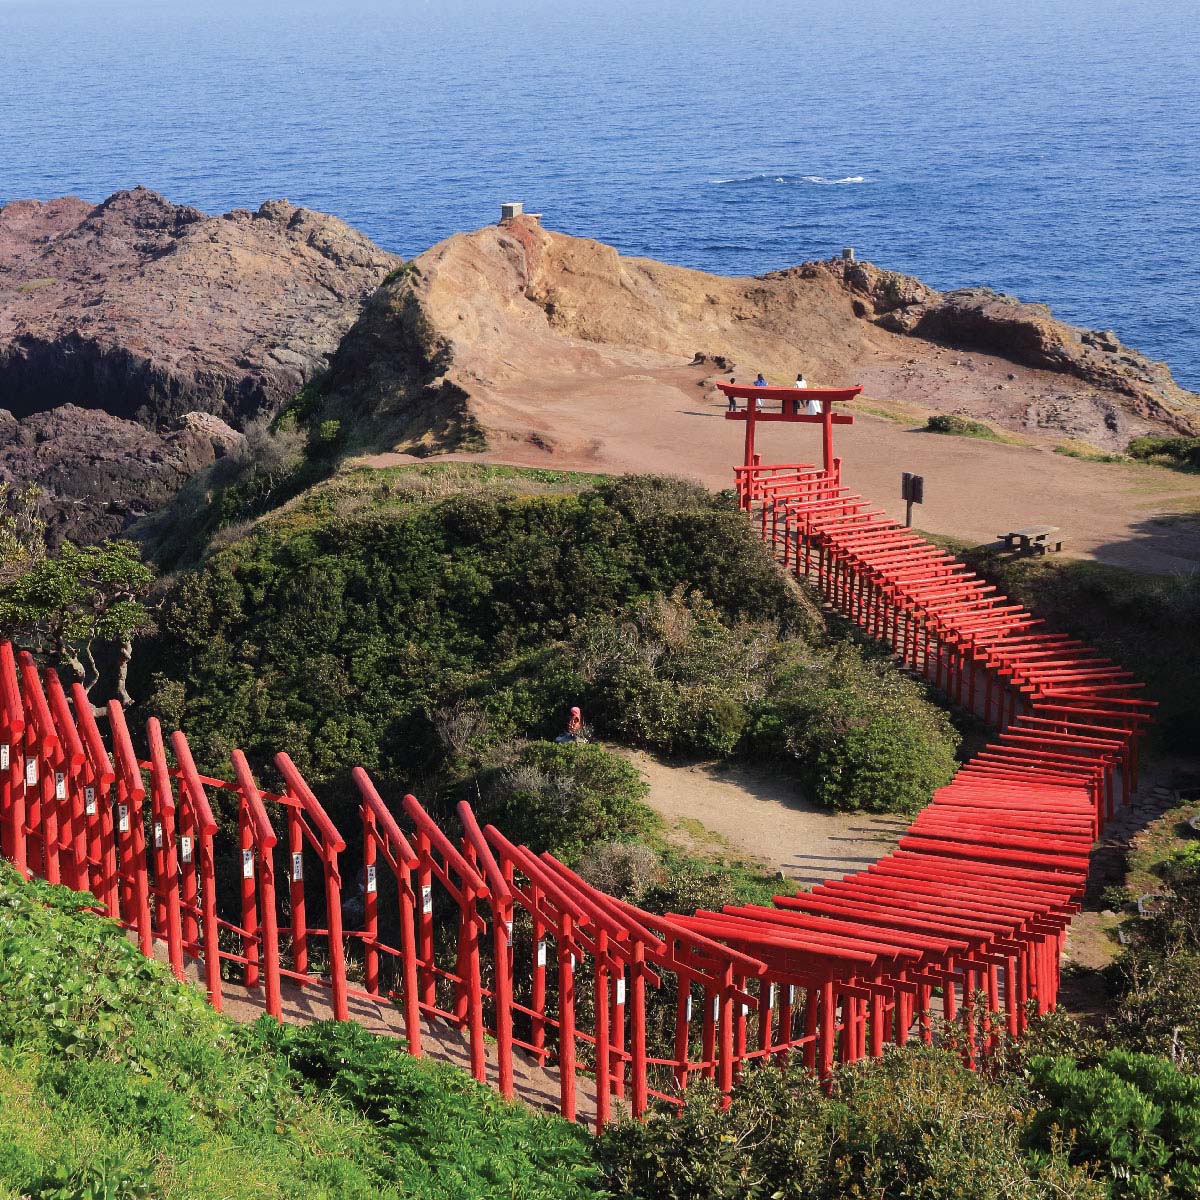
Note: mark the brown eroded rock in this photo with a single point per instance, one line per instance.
(149, 310)
(487, 336)
(98, 472)
(1028, 334)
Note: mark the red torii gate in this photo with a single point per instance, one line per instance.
(975, 898)
(792, 402)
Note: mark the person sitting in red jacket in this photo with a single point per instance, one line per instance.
(574, 728)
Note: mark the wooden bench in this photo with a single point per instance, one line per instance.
(1037, 539)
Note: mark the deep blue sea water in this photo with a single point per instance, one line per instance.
(1050, 149)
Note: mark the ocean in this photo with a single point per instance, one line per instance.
(1047, 148)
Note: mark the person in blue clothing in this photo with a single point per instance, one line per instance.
(759, 382)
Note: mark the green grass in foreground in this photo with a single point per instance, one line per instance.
(116, 1082)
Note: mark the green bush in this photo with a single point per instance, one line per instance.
(1173, 451)
(327, 434)
(564, 798)
(915, 1124)
(1135, 1117)
(1157, 1003)
(340, 637)
(667, 673)
(668, 880)
(960, 427)
(863, 736)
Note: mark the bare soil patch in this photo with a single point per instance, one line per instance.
(760, 818)
(671, 420)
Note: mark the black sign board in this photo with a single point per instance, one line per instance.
(912, 491)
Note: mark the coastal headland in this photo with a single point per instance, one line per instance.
(138, 339)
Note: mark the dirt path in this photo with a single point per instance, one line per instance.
(762, 818)
(669, 420)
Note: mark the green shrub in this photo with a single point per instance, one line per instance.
(1173, 451)
(1185, 859)
(669, 674)
(452, 614)
(863, 736)
(959, 426)
(1135, 1117)
(340, 637)
(915, 1124)
(1157, 1003)
(686, 884)
(327, 434)
(668, 880)
(564, 798)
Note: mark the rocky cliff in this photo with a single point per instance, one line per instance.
(1124, 381)
(119, 319)
(148, 309)
(97, 472)
(507, 323)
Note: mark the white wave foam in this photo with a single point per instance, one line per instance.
(790, 180)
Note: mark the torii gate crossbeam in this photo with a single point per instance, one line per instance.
(790, 402)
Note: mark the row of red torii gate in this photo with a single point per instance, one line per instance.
(537, 981)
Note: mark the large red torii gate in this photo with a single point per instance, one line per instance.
(792, 402)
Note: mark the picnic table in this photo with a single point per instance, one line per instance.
(1037, 539)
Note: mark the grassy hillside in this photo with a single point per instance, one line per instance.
(338, 634)
(117, 1079)
(424, 621)
(116, 1082)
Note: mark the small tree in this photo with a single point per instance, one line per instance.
(64, 605)
(22, 531)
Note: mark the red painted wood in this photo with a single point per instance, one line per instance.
(975, 899)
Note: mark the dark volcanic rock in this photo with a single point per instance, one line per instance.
(149, 310)
(981, 319)
(984, 320)
(98, 472)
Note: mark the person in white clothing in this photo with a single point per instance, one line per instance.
(813, 407)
